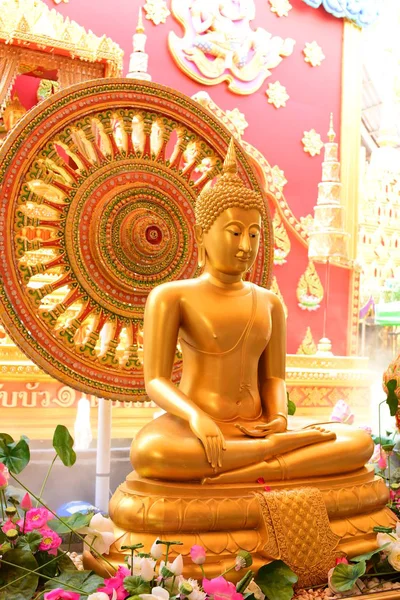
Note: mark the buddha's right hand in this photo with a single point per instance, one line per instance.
(210, 435)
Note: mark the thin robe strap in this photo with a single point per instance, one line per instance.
(244, 334)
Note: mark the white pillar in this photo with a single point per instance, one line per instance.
(103, 459)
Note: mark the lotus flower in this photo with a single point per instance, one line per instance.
(99, 534)
(198, 554)
(221, 589)
(60, 594)
(4, 476)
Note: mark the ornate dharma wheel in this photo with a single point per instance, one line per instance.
(98, 185)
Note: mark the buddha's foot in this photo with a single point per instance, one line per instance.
(278, 446)
(316, 433)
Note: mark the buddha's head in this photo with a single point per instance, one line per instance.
(228, 221)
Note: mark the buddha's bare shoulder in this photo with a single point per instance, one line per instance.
(171, 292)
(270, 297)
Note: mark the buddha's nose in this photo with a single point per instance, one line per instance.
(244, 245)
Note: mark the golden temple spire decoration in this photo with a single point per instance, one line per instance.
(140, 26)
(138, 61)
(230, 163)
(307, 346)
(328, 238)
(331, 132)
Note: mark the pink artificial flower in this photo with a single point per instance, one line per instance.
(261, 481)
(198, 554)
(4, 476)
(382, 462)
(60, 594)
(26, 503)
(8, 525)
(116, 584)
(50, 539)
(221, 589)
(343, 560)
(36, 518)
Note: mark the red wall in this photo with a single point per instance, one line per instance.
(277, 133)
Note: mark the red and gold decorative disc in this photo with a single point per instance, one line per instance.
(97, 202)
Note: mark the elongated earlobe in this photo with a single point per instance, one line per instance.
(201, 256)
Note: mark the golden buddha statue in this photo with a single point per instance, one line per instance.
(200, 468)
(227, 421)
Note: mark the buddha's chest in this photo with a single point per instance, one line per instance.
(218, 324)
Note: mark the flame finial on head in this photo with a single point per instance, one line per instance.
(230, 163)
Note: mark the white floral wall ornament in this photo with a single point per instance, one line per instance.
(59, 1)
(280, 7)
(238, 119)
(312, 142)
(156, 11)
(313, 54)
(278, 177)
(277, 94)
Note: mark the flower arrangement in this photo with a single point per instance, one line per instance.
(376, 571)
(33, 564)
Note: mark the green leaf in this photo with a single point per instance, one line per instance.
(136, 585)
(65, 563)
(344, 576)
(25, 588)
(47, 568)
(86, 581)
(290, 405)
(392, 400)
(75, 521)
(62, 444)
(15, 455)
(7, 439)
(276, 580)
(29, 542)
(369, 555)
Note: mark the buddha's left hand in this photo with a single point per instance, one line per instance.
(277, 425)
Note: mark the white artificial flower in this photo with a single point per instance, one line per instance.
(156, 550)
(254, 589)
(142, 567)
(157, 593)
(147, 571)
(135, 564)
(177, 566)
(196, 594)
(102, 596)
(394, 556)
(99, 533)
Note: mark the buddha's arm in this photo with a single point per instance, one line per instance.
(272, 368)
(161, 326)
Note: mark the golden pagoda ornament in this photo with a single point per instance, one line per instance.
(139, 59)
(281, 240)
(310, 292)
(307, 346)
(328, 238)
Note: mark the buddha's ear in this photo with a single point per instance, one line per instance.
(198, 234)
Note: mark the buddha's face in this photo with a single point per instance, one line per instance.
(231, 243)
